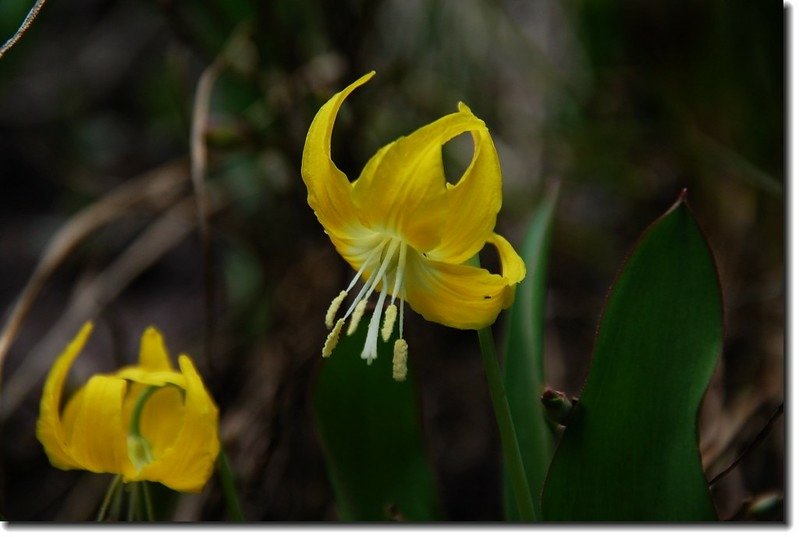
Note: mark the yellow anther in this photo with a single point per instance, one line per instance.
(400, 361)
(330, 317)
(388, 322)
(356, 317)
(332, 339)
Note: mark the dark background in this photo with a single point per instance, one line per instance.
(622, 103)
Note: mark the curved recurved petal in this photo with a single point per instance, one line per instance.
(405, 192)
(472, 203)
(513, 268)
(329, 190)
(98, 440)
(153, 354)
(187, 464)
(460, 296)
(49, 426)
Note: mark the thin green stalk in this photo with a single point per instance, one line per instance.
(148, 502)
(112, 488)
(116, 504)
(133, 502)
(507, 432)
(229, 487)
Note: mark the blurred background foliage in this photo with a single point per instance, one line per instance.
(622, 103)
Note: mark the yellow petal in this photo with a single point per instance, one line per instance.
(405, 192)
(98, 441)
(187, 464)
(462, 296)
(513, 268)
(49, 427)
(153, 354)
(472, 203)
(329, 190)
(151, 378)
(161, 419)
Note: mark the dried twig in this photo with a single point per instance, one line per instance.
(749, 447)
(89, 299)
(32, 14)
(234, 55)
(199, 160)
(157, 189)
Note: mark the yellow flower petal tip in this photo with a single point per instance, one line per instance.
(146, 422)
(408, 232)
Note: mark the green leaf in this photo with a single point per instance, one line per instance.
(629, 451)
(524, 357)
(371, 434)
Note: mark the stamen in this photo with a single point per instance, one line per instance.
(367, 286)
(356, 317)
(330, 316)
(402, 317)
(400, 360)
(332, 339)
(380, 273)
(388, 322)
(400, 272)
(370, 347)
(375, 252)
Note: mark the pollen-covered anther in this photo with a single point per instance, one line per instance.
(400, 360)
(332, 339)
(388, 322)
(356, 317)
(330, 316)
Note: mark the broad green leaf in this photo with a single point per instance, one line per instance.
(524, 357)
(371, 435)
(629, 451)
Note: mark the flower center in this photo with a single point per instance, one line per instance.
(385, 267)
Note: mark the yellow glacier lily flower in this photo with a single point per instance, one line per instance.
(408, 233)
(147, 422)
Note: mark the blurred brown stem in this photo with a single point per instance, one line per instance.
(157, 188)
(88, 300)
(753, 444)
(199, 160)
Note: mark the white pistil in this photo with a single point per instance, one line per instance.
(332, 339)
(330, 316)
(388, 322)
(356, 317)
(369, 352)
(400, 360)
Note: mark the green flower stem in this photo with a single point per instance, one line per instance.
(133, 502)
(116, 503)
(507, 432)
(112, 489)
(149, 513)
(229, 487)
